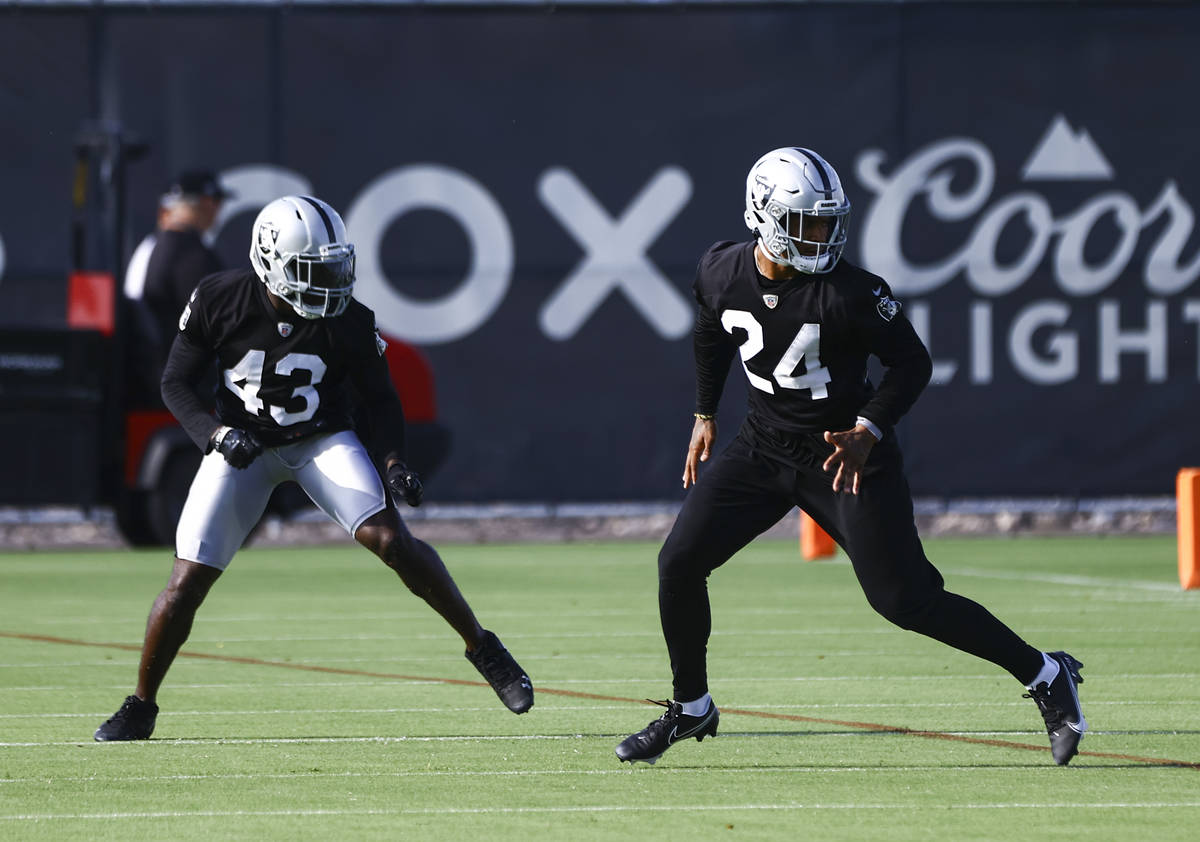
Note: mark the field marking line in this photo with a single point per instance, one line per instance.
(493, 773)
(965, 736)
(266, 741)
(574, 709)
(598, 808)
(400, 616)
(577, 694)
(1066, 579)
(824, 679)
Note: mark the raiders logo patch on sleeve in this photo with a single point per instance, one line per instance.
(888, 307)
(380, 345)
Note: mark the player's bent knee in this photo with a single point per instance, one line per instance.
(378, 532)
(179, 601)
(909, 612)
(395, 548)
(678, 562)
(189, 583)
(374, 538)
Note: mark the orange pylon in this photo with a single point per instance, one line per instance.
(1187, 513)
(814, 541)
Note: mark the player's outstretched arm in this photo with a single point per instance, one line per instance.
(704, 435)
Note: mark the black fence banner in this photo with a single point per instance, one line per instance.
(529, 190)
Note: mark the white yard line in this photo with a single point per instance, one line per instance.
(506, 773)
(574, 657)
(421, 616)
(320, 711)
(470, 773)
(610, 808)
(250, 741)
(489, 738)
(1068, 580)
(573, 709)
(651, 681)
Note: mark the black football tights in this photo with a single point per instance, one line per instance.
(744, 493)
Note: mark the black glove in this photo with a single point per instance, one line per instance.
(238, 447)
(405, 483)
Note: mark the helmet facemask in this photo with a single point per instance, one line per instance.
(319, 286)
(810, 240)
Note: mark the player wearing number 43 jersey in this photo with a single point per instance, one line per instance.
(817, 435)
(297, 355)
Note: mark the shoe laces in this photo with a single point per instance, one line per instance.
(1052, 713)
(127, 710)
(673, 711)
(496, 664)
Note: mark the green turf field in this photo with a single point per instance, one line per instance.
(835, 725)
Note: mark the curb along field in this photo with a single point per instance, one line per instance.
(68, 528)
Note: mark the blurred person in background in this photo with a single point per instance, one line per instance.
(163, 270)
(297, 355)
(817, 435)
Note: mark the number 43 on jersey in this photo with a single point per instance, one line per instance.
(246, 378)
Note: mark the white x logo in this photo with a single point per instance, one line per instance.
(616, 253)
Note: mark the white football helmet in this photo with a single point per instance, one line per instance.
(299, 250)
(796, 206)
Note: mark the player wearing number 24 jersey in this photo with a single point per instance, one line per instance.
(805, 346)
(818, 435)
(296, 355)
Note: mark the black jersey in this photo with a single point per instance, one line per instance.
(281, 377)
(804, 343)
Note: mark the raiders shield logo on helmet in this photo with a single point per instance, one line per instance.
(770, 301)
(268, 235)
(285, 329)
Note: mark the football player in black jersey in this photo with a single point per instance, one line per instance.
(817, 435)
(296, 354)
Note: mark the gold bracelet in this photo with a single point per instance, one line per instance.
(701, 416)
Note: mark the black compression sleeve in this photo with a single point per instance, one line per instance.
(907, 371)
(713, 352)
(185, 366)
(383, 410)
(386, 420)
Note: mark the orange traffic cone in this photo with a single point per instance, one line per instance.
(814, 541)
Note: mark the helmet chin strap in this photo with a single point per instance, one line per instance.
(284, 295)
(778, 261)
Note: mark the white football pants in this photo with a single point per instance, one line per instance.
(224, 504)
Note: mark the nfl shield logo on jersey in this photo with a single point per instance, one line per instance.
(770, 301)
(285, 329)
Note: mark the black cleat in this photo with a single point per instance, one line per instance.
(1059, 703)
(133, 721)
(505, 675)
(649, 744)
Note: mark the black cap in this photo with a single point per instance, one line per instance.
(197, 183)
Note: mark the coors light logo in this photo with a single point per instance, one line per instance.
(1042, 342)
